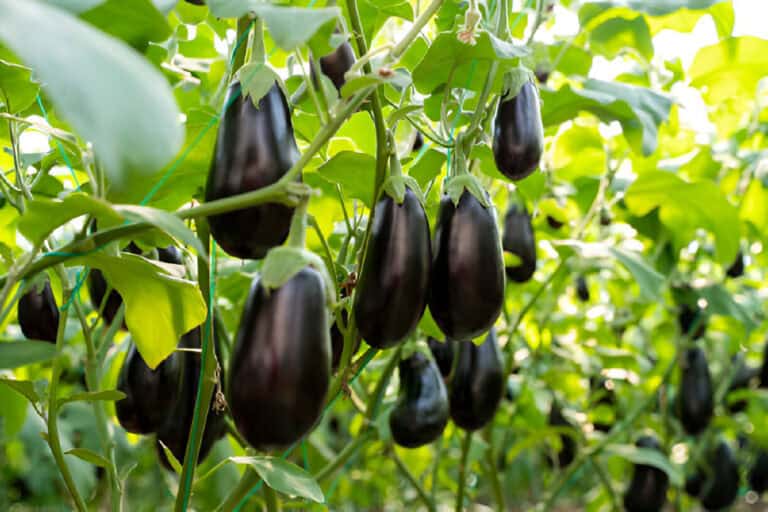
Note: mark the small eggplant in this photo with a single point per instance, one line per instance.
(690, 315)
(38, 314)
(695, 398)
(568, 445)
(421, 412)
(582, 289)
(477, 384)
(518, 134)
(255, 147)
(281, 363)
(443, 352)
(647, 490)
(392, 291)
(737, 267)
(418, 142)
(745, 378)
(722, 488)
(337, 63)
(518, 239)
(467, 269)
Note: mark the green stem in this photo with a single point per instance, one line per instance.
(243, 488)
(493, 474)
(412, 480)
(321, 109)
(463, 471)
(258, 51)
(344, 455)
(537, 21)
(381, 386)
(603, 476)
(243, 25)
(414, 31)
(326, 249)
(436, 467)
(297, 236)
(271, 499)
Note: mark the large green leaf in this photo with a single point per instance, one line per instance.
(685, 207)
(354, 172)
(283, 476)
(21, 353)
(648, 457)
(136, 22)
(617, 34)
(730, 68)
(17, 90)
(754, 206)
(652, 7)
(107, 92)
(639, 110)
(159, 307)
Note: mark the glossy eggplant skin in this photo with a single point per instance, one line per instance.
(38, 314)
(149, 394)
(281, 363)
(647, 490)
(582, 289)
(518, 134)
(255, 147)
(467, 269)
(477, 384)
(443, 352)
(518, 239)
(392, 291)
(737, 267)
(421, 412)
(568, 446)
(336, 64)
(175, 431)
(758, 473)
(695, 397)
(721, 489)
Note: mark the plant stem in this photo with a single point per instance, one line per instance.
(606, 484)
(493, 474)
(243, 25)
(463, 471)
(271, 499)
(436, 466)
(412, 480)
(381, 386)
(344, 455)
(297, 236)
(413, 33)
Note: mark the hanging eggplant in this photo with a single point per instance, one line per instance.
(38, 313)
(567, 444)
(443, 352)
(518, 239)
(722, 487)
(149, 394)
(695, 400)
(477, 384)
(281, 363)
(392, 291)
(518, 134)
(421, 412)
(467, 270)
(647, 491)
(336, 64)
(255, 147)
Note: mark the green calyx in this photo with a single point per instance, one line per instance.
(514, 80)
(282, 263)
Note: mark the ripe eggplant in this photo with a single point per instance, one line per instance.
(518, 134)
(38, 314)
(418, 142)
(582, 290)
(568, 445)
(519, 240)
(97, 285)
(695, 398)
(175, 432)
(149, 394)
(722, 487)
(758, 473)
(647, 490)
(281, 363)
(690, 315)
(443, 352)
(467, 269)
(478, 383)
(737, 267)
(336, 64)
(392, 291)
(255, 147)
(421, 412)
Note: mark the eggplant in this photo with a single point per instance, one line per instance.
(391, 294)
(721, 489)
(737, 267)
(647, 491)
(743, 379)
(281, 363)
(38, 313)
(518, 134)
(518, 239)
(694, 484)
(690, 315)
(467, 269)
(421, 412)
(554, 223)
(582, 289)
(477, 384)
(567, 451)
(764, 367)
(149, 394)
(443, 352)
(695, 402)
(175, 431)
(758, 473)
(336, 64)
(255, 147)
(418, 142)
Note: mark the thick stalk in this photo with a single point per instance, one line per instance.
(463, 471)
(243, 24)
(297, 236)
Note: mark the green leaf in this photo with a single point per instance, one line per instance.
(654, 7)
(428, 326)
(650, 282)
(649, 457)
(13, 413)
(109, 395)
(721, 302)
(730, 69)
(24, 387)
(281, 264)
(754, 207)
(163, 220)
(358, 83)
(17, 89)
(256, 80)
(640, 111)
(685, 207)
(394, 187)
(469, 64)
(89, 456)
(175, 464)
(354, 172)
(427, 167)
(136, 22)
(578, 151)
(284, 476)
(375, 13)
(14, 354)
(615, 35)
(159, 307)
(101, 87)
